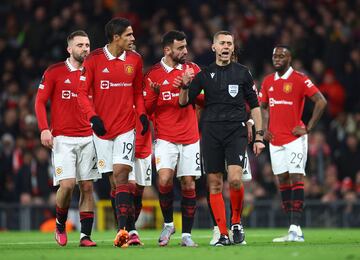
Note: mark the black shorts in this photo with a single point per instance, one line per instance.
(223, 141)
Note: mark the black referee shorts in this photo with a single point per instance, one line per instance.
(223, 141)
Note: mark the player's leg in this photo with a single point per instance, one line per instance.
(86, 209)
(64, 158)
(123, 162)
(63, 199)
(297, 156)
(166, 155)
(188, 169)
(86, 173)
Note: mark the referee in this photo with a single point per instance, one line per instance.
(227, 86)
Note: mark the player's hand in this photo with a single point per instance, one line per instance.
(145, 124)
(98, 126)
(299, 131)
(178, 82)
(268, 136)
(258, 147)
(154, 86)
(249, 126)
(188, 75)
(47, 139)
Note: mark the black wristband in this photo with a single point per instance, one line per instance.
(185, 87)
(259, 141)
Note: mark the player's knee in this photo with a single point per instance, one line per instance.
(164, 180)
(67, 185)
(235, 184)
(187, 183)
(86, 187)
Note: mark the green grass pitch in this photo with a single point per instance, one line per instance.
(320, 244)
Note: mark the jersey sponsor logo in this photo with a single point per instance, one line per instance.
(212, 74)
(165, 82)
(105, 84)
(129, 69)
(287, 88)
(167, 95)
(233, 90)
(67, 81)
(271, 89)
(273, 102)
(67, 94)
(106, 70)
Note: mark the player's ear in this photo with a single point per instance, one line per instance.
(213, 48)
(68, 49)
(167, 50)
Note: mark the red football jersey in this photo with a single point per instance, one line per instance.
(116, 86)
(286, 97)
(60, 85)
(171, 122)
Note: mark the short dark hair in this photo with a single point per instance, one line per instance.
(116, 26)
(284, 46)
(222, 33)
(76, 33)
(169, 37)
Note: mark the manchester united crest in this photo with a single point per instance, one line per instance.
(287, 87)
(58, 170)
(101, 164)
(129, 69)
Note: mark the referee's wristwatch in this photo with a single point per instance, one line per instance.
(260, 132)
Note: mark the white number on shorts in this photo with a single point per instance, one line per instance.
(296, 156)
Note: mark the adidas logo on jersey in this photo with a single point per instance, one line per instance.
(212, 75)
(126, 157)
(165, 82)
(106, 70)
(198, 168)
(67, 81)
(271, 88)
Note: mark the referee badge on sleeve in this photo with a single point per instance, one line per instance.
(233, 90)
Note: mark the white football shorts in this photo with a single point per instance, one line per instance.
(120, 150)
(74, 157)
(184, 157)
(290, 157)
(142, 171)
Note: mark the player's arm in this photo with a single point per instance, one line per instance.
(320, 103)
(151, 93)
(319, 108)
(264, 105)
(85, 104)
(44, 92)
(139, 98)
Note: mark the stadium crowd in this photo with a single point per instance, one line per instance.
(324, 36)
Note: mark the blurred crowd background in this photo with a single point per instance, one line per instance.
(324, 36)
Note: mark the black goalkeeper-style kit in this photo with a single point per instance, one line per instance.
(227, 89)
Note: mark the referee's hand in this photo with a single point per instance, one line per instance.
(98, 126)
(258, 147)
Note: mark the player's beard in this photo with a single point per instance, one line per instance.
(79, 57)
(179, 60)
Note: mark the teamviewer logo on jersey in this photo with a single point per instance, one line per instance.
(166, 95)
(104, 84)
(66, 94)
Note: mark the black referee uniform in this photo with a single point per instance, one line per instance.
(227, 89)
